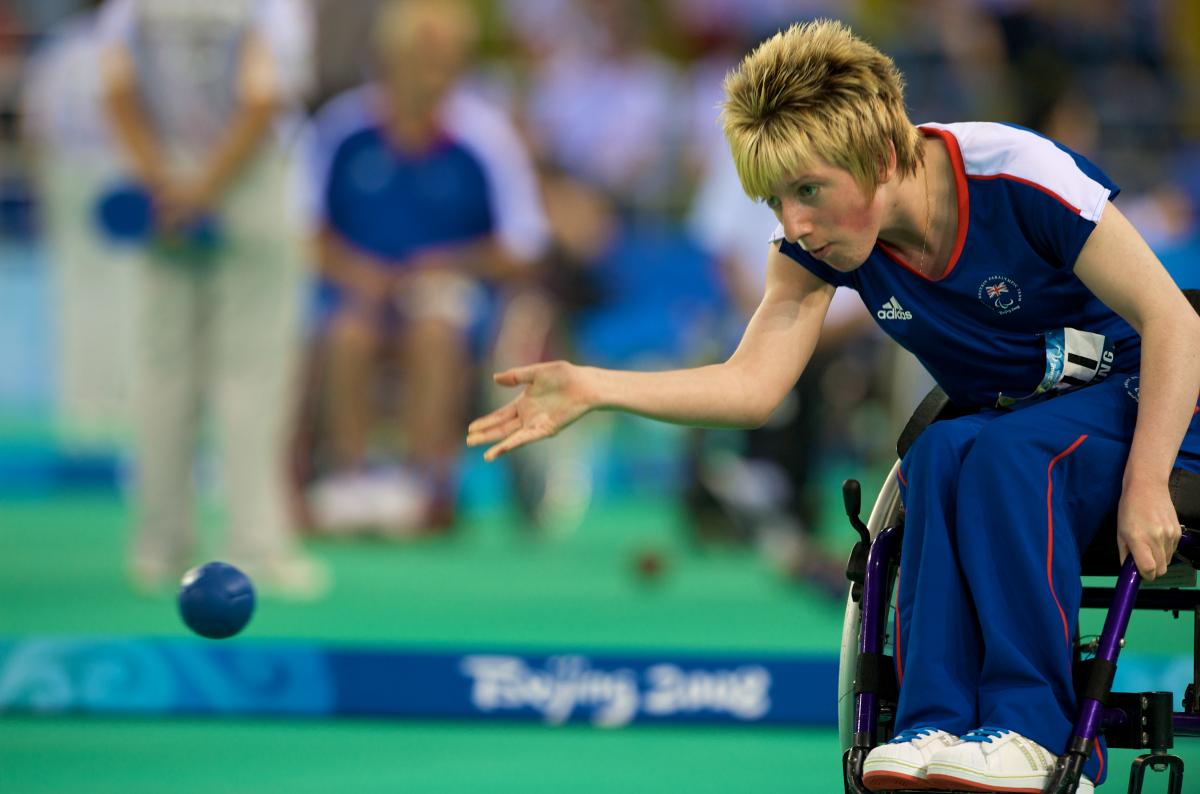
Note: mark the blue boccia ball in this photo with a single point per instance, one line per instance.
(216, 600)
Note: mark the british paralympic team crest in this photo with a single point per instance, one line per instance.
(1001, 293)
(1133, 387)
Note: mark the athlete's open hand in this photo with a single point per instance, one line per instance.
(553, 398)
(1147, 527)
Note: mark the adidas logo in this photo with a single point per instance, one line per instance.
(892, 310)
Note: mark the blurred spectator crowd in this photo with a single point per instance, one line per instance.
(482, 184)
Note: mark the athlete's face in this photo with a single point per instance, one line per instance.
(825, 211)
(424, 61)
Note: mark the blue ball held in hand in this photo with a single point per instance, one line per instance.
(216, 600)
(126, 214)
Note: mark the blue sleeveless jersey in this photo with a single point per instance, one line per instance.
(1008, 320)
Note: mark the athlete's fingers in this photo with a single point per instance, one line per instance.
(494, 433)
(518, 439)
(496, 417)
(516, 376)
(1157, 544)
(1162, 553)
(1143, 556)
(1173, 545)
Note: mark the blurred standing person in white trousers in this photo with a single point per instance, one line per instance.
(70, 149)
(199, 94)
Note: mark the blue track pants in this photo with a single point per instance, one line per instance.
(999, 507)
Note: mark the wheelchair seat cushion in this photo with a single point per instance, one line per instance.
(1185, 493)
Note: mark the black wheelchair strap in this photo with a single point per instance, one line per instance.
(876, 673)
(1098, 679)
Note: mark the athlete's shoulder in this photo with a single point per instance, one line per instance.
(992, 150)
(483, 128)
(347, 114)
(481, 125)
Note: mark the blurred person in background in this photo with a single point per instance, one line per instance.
(341, 62)
(198, 95)
(761, 485)
(425, 200)
(715, 34)
(952, 53)
(1168, 215)
(1079, 108)
(69, 149)
(601, 102)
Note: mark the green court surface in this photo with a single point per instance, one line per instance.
(129, 757)
(489, 585)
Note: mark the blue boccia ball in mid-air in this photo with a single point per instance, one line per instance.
(216, 600)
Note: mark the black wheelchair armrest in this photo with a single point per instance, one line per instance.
(1193, 296)
(1184, 487)
(936, 405)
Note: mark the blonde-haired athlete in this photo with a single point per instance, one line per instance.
(994, 255)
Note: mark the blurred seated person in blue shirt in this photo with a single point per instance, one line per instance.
(426, 198)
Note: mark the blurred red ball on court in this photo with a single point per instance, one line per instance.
(649, 564)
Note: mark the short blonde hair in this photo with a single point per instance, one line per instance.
(816, 91)
(398, 22)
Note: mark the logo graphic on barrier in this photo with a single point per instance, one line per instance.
(153, 676)
(124, 675)
(615, 696)
(51, 675)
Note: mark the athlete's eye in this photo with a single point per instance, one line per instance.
(773, 202)
(807, 191)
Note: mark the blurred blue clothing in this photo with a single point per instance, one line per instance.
(474, 183)
(394, 204)
(1182, 261)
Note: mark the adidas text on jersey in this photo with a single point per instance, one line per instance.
(892, 310)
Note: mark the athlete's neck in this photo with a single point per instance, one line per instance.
(412, 123)
(923, 224)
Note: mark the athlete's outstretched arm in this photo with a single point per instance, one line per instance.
(741, 392)
(1118, 265)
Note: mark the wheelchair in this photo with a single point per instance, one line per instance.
(867, 686)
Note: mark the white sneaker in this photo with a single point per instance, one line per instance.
(342, 503)
(993, 759)
(900, 764)
(397, 501)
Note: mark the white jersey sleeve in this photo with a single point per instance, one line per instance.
(521, 225)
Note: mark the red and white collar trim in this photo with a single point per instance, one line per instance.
(963, 202)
